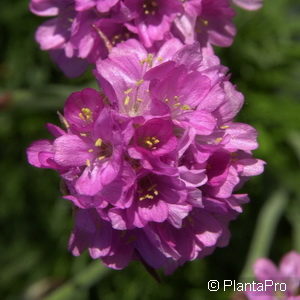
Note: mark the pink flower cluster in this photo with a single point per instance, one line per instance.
(153, 161)
(287, 274)
(82, 30)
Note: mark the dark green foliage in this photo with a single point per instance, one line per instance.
(35, 222)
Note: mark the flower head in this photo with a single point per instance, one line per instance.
(155, 159)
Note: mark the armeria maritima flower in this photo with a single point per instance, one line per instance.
(153, 161)
(287, 274)
(81, 30)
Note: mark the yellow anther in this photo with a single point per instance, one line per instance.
(176, 104)
(205, 22)
(142, 198)
(83, 134)
(185, 107)
(149, 143)
(160, 59)
(86, 114)
(88, 163)
(166, 100)
(224, 127)
(218, 140)
(126, 100)
(155, 192)
(139, 100)
(148, 59)
(91, 150)
(128, 91)
(98, 142)
(139, 82)
(101, 157)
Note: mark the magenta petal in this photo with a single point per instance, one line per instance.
(117, 217)
(81, 5)
(156, 211)
(242, 136)
(177, 213)
(34, 151)
(72, 67)
(48, 36)
(102, 241)
(203, 122)
(119, 260)
(71, 150)
(264, 269)
(206, 228)
(233, 104)
(249, 4)
(89, 182)
(290, 265)
(106, 5)
(44, 7)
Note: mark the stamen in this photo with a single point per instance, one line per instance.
(139, 82)
(128, 91)
(185, 107)
(98, 142)
(126, 100)
(151, 141)
(150, 7)
(148, 60)
(88, 163)
(86, 114)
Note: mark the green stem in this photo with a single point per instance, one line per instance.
(85, 279)
(268, 219)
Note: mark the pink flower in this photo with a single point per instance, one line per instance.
(288, 273)
(152, 18)
(88, 153)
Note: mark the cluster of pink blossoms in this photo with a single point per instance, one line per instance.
(153, 161)
(75, 36)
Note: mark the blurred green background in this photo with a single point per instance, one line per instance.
(35, 222)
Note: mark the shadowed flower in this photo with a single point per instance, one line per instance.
(83, 31)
